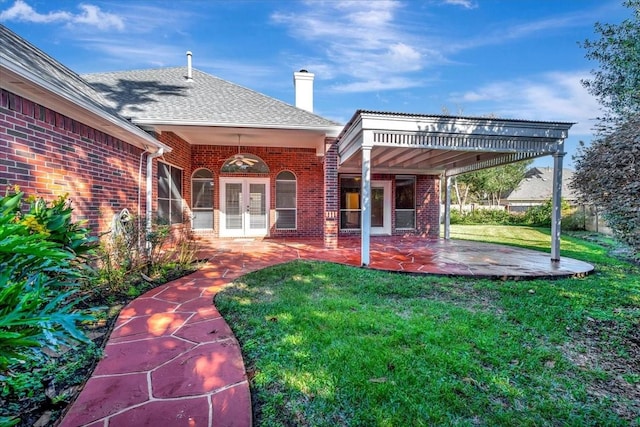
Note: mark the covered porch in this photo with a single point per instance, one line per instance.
(445, 146)
(411, 254)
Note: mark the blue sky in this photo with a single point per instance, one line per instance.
(511, 58)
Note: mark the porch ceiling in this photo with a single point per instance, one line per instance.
(248, 136)
(427, 144)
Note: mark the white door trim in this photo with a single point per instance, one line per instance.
(245, 231)
(386, 223)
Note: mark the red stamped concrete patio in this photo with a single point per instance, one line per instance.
(172, 360)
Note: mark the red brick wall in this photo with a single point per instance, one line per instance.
(331, 197)
(427, 192)
(48, 154)
(303, 162)
(428, 206)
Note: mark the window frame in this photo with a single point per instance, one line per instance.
(170, 214)
(395, 206)
(356, 213)
(194, 180)
(293, 209)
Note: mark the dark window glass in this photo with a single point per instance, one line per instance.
(286, 211)
(169, 194)
(405, 202)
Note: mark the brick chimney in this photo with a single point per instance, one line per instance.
(303, 85)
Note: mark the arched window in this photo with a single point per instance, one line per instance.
(202, 199)
(244, 163)
(286, 212)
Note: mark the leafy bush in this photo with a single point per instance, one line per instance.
(126, 265)
(540, 216)
(41, 266)
(574, 220)
(484, 216)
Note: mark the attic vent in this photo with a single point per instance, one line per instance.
(189, 68)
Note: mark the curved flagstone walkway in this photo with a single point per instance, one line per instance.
(172, 360)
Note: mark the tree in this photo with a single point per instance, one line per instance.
(608, 175)
(616, 84)
(491, 184)
(608, 171)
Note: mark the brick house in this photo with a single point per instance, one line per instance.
(193, 149)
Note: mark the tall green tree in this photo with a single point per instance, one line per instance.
(616, 83)
(608, 175)
(608, 171)
(492, 184)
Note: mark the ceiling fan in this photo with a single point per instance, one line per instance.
(241, 161)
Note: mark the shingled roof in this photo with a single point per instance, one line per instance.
(14, 49)
(537, 186)
(165, 95)
(30, 72)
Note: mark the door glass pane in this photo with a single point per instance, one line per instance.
(377, 207)
(233, 207)
(257, 206)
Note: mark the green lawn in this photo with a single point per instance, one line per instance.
(332, 345)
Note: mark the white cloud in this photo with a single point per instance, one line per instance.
(90, 15)
(550, 96)
(371, 85)
(467, 4)
(21, 11)
(93, 16)
(363, 42)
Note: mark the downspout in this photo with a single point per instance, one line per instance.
(149, 194)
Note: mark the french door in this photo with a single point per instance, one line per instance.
(244, 207)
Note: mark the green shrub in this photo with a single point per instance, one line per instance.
(484, 216)
(574, 220)
(125, 263)
(540, 216)
(41, 266)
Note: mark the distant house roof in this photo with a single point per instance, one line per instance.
(537, 186)
(166, 96)
(31, 73)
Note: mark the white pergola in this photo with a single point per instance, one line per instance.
(397, 143)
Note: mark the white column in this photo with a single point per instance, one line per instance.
(447, 209)
(556, 214)
(365, 222)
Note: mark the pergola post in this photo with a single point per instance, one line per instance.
(447, 209)
(365, 222)
(556, 215)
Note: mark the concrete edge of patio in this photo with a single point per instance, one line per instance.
(172, 359)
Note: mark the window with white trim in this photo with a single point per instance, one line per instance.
(350, 187)
(169, 194)
(286, 211)
(405, 202)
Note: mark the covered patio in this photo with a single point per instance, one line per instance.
(411, 254)
(445, 146)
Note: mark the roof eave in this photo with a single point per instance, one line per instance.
(329, 131)
(136, 136)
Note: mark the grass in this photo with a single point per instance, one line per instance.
(327, 344)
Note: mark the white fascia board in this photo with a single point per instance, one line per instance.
(466, 126)
(329, 131)
(144, 139)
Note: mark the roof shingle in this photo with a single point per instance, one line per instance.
(165, 94)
